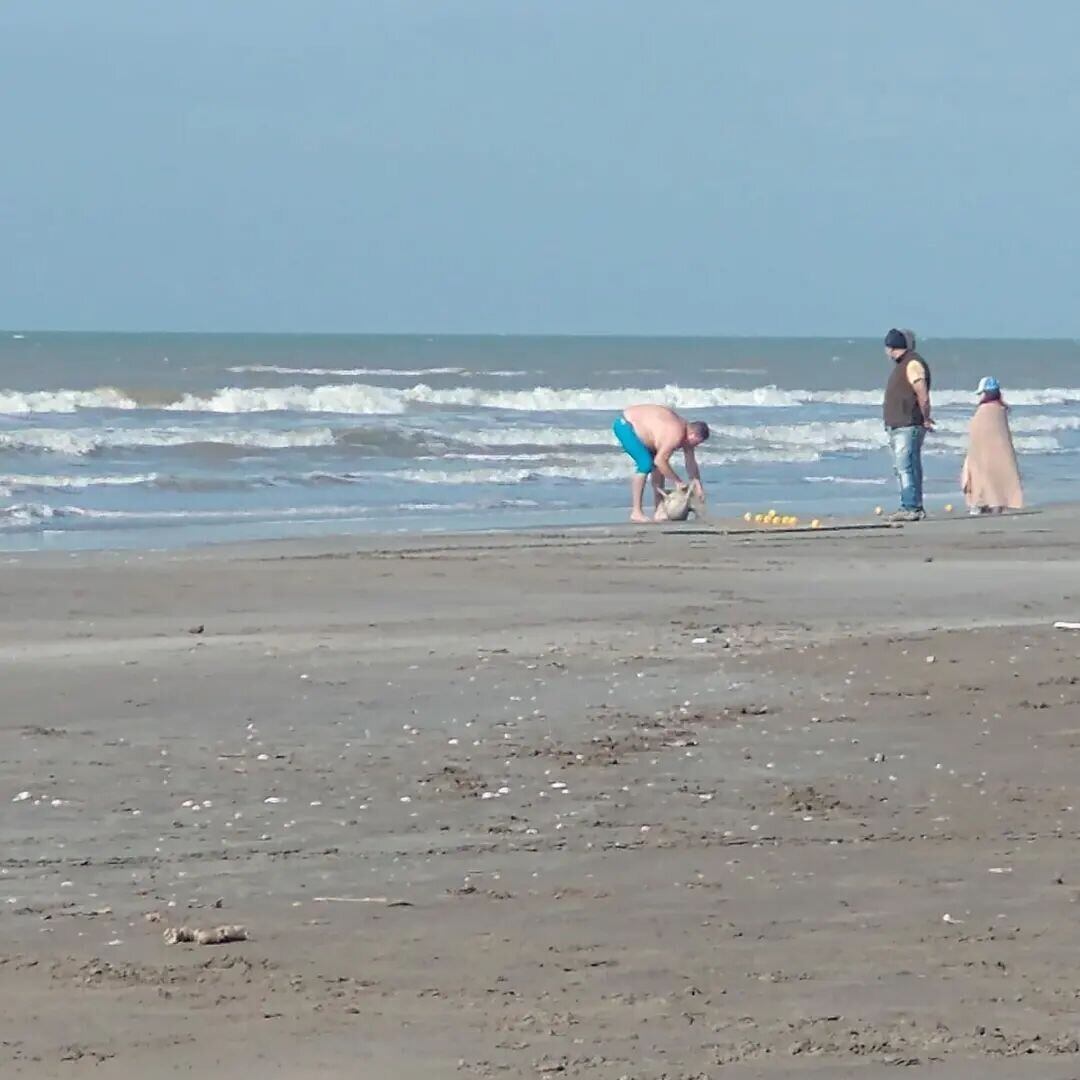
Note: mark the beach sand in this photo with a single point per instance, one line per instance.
(609, 803)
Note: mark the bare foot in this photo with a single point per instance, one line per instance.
(639, 518)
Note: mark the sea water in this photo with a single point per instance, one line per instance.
(154, 440)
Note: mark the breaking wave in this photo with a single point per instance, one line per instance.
(600, 468)
(18, 403)
(80, 441)
(368, 399)
(11, 484)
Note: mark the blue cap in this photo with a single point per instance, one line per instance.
(988, 385)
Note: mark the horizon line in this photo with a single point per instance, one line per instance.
(18, 333)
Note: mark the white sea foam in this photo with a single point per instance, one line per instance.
(535, 436)
(30, 515)
(540, 455)
(481, 504)
(30, 481)
(36, 516)
(346, 398)
(601, 468)
(17, 403)
(1035, 444)
(784, 456)
(274, 369)
(860, 480)
(729, 444)
(79, 441)
(1021, 423)
(1032, 435)
(549, 399)
(735, 371)
(942, 442)
(493, 476)
(366, 399)
(822, 434)
(1054, 395)
(832, 435)
(850, 436)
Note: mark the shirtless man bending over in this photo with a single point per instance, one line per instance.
(650, 434)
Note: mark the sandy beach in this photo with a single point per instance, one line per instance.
(647, 804)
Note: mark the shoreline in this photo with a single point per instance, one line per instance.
(360, 542)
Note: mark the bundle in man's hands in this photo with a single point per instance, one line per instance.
(680, 503)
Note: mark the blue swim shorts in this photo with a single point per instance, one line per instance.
(628, 439)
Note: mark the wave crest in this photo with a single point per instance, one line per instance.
(82, 441)
(31, 482)
(369, 400)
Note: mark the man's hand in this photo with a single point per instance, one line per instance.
(698, 489)
(928, 424)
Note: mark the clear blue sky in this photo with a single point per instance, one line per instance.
(637, 166)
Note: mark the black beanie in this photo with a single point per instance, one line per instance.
(895, 339)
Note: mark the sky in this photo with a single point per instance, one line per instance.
(769, 167)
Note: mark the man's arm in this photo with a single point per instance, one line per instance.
(692, 470)
(917, 377)
(662, 461)
(922, 395)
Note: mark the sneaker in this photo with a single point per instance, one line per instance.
(908, 515)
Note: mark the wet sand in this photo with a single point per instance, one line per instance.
(645, 804)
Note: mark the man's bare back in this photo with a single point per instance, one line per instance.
(657, 426)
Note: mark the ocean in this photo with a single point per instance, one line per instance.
(165, 440)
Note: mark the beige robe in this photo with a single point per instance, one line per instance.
(991, 475)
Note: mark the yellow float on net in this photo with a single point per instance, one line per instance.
(948, 508)
(878, 511)
(815, 524)
(748, 516)
(759, 519)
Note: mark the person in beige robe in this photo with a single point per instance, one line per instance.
(991, 475)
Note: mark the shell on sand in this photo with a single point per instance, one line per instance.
(219, 935)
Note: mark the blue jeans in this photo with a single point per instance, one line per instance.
(907, 443)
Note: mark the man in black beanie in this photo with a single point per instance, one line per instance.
(907, 420)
